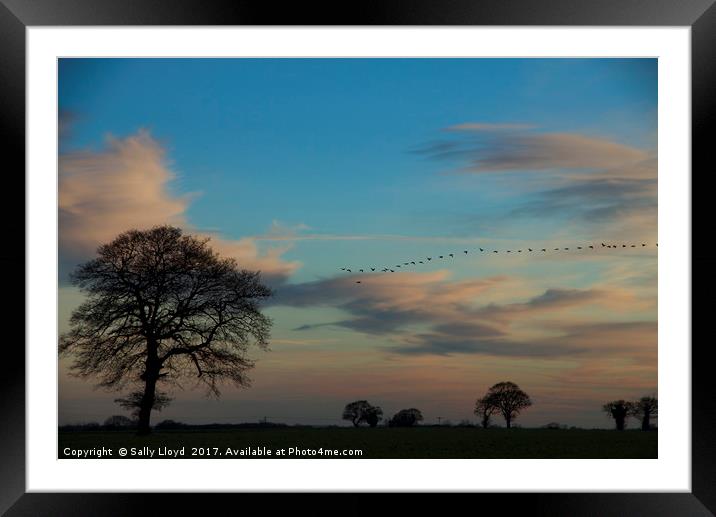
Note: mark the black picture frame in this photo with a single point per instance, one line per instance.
(17, 15)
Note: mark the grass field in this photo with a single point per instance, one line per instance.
(420, 442)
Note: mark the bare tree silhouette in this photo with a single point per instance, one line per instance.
(508, 399)
(484, 409)
(644, 409)
(619, 410)
(162, 306)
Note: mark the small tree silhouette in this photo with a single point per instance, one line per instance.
(373, 416)
(619, 410)
(362, 411)
(484, 409)
(406, 418)
(508, 399)
(644, 409)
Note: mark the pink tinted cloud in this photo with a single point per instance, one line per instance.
(126, 185)
(429, 314)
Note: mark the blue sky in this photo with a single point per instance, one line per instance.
(316, 164)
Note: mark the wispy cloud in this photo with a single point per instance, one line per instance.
(280, 231)
(579, 178)
(488, 126)
(628, 342)
(429, 314)
(494, 148)
(65, 121)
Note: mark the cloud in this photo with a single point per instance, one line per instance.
(66, 119)
(625, 341)
(428, 314)
(595, 200)
(126, 185)
(274, 268)
(583, 179)
(487, 126)
(390, 302)
(551, 299)
(281, 232)
(446, 344)
(103, 193)
(507, 147)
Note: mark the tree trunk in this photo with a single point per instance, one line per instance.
(145, 408)
(507, 421)
(151, 374)
(645, 424)
(620, 423)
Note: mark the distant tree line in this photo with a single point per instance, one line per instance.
(643, 409)
(507, 400)
(363, 412)
(504, 398)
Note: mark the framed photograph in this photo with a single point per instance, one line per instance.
(421, 249)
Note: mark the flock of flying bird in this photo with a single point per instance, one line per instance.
(393, 269)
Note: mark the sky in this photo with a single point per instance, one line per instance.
(300, 167)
